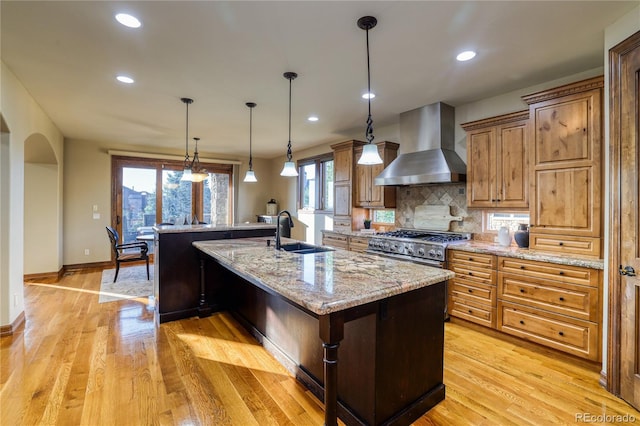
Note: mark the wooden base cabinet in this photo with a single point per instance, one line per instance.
(472, 292)
(555, 305)
(335, 240)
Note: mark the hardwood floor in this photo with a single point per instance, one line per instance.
(78, 362)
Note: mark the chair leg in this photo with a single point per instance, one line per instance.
(148, 269)
(117, 270)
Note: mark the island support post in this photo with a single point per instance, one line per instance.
(331, 333)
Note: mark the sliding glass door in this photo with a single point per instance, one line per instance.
(147, 192)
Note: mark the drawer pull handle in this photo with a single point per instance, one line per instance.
(522, 290)
(560, 243)
(562, 299)
(521, 266)
(521, 322)
(561, 333)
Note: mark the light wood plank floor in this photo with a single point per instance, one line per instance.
(78, 362)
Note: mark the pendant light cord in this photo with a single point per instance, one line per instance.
(186, 139)
(289, 156)
(369, 132)
(250, 137)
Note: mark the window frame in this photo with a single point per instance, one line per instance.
(197, 188)
(319, 161)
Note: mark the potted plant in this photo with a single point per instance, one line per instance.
(367, 224)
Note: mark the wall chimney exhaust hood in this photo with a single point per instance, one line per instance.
(429, 133)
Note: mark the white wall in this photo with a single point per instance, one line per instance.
(23, 118)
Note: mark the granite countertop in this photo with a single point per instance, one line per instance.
(168, 229)
(321, 282)
(528, 254)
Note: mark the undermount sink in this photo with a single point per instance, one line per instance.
(302, 248)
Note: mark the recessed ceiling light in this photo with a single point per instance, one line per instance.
(312, 118)
(466, 55)
(128, 20)
(124, 79)
(368, 95)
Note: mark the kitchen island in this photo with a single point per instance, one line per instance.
(384, 315)
(178, 290)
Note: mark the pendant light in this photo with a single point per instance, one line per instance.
(250, 176)
(186, 174)
(370, 154)
(198, 174)
(289, 168)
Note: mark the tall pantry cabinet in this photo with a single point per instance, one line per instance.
(566, 168)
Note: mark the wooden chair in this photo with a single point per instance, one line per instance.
(128, 252)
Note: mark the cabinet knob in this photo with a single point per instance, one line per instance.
(521, 266)
(521, 322)
(471, 259)
(470, 291)
(470, 311)
(561, 272)
(470, 273)
(561, 299)
(522, 290)
(561, 333)
(560, 243)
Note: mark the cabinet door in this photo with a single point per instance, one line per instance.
(512, 176)
(567, 165)
(342, 200)
(343, 163)
(362, 179)
(481, 168)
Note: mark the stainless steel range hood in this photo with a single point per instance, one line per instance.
(429, 133)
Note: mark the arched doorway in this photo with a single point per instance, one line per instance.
(42, 224)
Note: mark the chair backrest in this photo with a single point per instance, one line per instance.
(114, 238)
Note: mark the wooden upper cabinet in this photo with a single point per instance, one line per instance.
(344, 161)
(497, 162)
(566, 172)
(366, 193)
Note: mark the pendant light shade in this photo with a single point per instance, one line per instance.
(250, 176)
(289, 168)
(186, 174)
(370, 151)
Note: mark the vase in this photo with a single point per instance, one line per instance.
(522, 235)
(367, 225)
(504, 238)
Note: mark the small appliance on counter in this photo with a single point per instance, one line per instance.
(272, 207)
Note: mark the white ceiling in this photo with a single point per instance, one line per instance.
(223, 54)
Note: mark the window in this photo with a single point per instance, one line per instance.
(384, 216)
(315, 183)
(148, 191)
(495, 220)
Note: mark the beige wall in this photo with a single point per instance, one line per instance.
(24, 119)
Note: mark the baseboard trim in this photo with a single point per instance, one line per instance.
(603, 379)
(10, 329)
(92, 265)
(45, 275)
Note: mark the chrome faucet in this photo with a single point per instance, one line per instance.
(278, 227)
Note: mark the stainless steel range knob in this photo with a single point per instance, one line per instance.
(432, 253)
(421, 251)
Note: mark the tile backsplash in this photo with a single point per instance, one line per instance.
(451, 194)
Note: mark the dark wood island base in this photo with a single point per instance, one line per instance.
(382, 361)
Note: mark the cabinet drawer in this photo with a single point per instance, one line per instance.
(586, 246)
(482, 293)
(567, 334)
(473, 311)
(479, 259)
(358, 243)
(476, 273)
(337, 241)
(550, 271)
(563, 298)
(342, 223)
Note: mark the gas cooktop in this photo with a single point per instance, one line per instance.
(416, 244)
